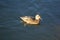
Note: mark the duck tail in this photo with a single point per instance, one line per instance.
(21, 17)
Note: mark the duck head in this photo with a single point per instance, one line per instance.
(37, 17)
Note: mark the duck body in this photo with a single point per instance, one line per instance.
(30, 20)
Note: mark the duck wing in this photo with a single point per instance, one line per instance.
(26, 18)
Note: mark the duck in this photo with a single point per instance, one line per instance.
(31, 20)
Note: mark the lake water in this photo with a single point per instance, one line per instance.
(11, 27)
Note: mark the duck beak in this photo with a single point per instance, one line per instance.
(40, 18)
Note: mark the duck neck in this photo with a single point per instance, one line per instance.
(38, 20)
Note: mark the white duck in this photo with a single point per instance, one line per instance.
(30, 20)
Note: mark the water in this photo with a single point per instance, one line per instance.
(12, 29)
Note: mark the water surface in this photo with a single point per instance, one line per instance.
(12, 29)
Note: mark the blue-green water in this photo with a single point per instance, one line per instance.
(12, 29)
